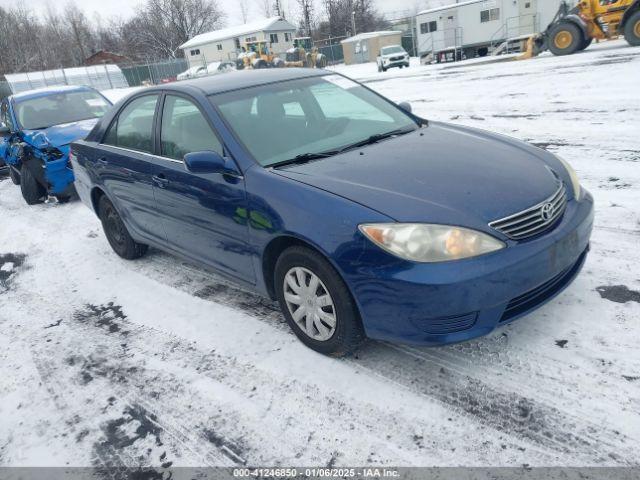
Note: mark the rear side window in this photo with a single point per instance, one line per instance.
(133, 128)
(185, 130)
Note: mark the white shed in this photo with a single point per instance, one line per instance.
(476, 27)
(227, 43)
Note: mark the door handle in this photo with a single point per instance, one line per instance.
(102, 162)
(160, 180)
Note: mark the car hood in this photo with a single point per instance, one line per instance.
(60, 135)
(439, 174)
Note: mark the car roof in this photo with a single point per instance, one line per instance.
(43, 92)
(242, 79)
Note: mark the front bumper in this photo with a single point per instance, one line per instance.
(398, 63)
(434, 304)
(59, 177)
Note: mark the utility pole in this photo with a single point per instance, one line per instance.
(353, 22)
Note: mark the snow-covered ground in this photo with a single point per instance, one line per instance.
(155, 362)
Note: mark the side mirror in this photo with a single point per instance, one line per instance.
(4, 131)
(209, 162)
(406, 106)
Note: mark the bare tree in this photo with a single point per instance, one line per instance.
(244, 10)
(161, 26)
(264, 7)
(306, 16)
(277, 8)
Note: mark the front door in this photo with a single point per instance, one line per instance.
(125, 166)
(204, 215)
(527, 17)
(450, 29)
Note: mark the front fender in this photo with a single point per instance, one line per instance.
(579, 22)
(633, 8)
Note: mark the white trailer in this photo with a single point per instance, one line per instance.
(478, 27)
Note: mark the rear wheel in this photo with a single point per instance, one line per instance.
(116, 232)
(32, 191)
(565, 38)
(632, 29)
(14, 175)
(316, 302)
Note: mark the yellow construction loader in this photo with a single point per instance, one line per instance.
(573, 29)
(305, 54)
(256, 54)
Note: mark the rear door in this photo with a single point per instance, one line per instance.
(124, 163)
(204, 215)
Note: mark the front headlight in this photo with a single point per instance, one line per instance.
(422, 242)
(575, 182)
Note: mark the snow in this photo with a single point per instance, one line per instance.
(109, 362)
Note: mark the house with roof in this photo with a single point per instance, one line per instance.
(227, 43)
(365, 47)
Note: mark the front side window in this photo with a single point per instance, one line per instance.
(279, 121)
(59, 108)
(133, 129)
(5, 115)
(185, 130)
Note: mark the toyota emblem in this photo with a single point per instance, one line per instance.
(546, 211)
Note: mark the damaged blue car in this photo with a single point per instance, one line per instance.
(35, 132)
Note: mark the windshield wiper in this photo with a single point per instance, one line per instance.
(376, 138)
(304, 158)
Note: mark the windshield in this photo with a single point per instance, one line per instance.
(394, 49)
(60, 108)
(280, 121)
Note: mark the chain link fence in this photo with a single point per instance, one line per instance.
(108, 77)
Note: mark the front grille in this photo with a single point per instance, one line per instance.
(396, 59)
(446, 325)
(534, 297)
(534, 220)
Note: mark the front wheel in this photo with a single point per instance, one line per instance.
(565, 38)
(31, 190)
(117, 233)
(585, 43)
(632, 30)
(316, 303)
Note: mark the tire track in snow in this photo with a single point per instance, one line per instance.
(524, 417)
(279, 406)
(509, 412)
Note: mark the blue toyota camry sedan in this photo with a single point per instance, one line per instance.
(360, 218)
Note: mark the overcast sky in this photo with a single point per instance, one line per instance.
(125, 8)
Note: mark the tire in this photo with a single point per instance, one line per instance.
(347, 333)
(321, 61)
(14, 175)
(32, 191)
(632, 29)
(565, 38)
(585, 43)
(116, 232)
(384, 69)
